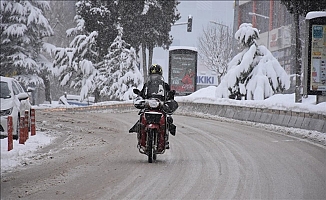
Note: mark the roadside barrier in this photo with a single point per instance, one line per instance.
(22, 130)
(287, 118)
(10, 138)
(123, 106)
(26, 125)
(33, 129)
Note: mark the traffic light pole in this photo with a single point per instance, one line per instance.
(181, 23)
(189, 24)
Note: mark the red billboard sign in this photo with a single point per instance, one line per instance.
(183, 71)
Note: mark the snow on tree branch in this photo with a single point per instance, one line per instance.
(23, 27)
(79, 28)
(119, 72)
(77, 63)
(254, 73)
(246, 34)
(149, 3)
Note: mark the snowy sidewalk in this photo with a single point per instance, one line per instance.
(21, 153)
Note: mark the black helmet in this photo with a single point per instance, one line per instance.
(155, 69)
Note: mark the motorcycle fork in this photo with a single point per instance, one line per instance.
(152, 135)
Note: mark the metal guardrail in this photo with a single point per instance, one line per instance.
(90, 108)
(308, 121)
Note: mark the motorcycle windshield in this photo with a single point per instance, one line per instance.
(155, 87)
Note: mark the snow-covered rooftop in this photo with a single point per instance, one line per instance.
(183, 47)
(315, 14)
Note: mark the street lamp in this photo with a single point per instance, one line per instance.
(214, 22)
(265, 17)
(251, 13)
(227, 28)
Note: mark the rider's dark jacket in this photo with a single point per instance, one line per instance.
(156, 87)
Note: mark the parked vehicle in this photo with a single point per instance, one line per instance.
(69, 99)
(14, 101)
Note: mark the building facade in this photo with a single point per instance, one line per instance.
(275, 24)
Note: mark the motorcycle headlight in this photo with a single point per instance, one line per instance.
(6, 112)
(153, 103)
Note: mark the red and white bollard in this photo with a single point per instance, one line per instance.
(21, 130)
(33, 129)
(10, 139)
(26, 125)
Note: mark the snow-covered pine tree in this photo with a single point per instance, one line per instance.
(119, 73)
(254, 73)
(77, 65)
(82, 64)
(23, 26)
(156, 21)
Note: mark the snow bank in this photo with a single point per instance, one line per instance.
(21, 153)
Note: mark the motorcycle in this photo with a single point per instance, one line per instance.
(153, 136)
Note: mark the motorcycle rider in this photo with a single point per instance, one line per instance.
(156, 69)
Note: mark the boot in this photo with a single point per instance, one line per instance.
(138, 139)
(167, 145)
(172, 129)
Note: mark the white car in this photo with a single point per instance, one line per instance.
(14, 101)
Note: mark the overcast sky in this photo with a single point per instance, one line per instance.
(202, 12)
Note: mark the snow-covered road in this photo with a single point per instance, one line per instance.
(93, 157)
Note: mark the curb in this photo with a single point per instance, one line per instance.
(287, 118)
(125, 106)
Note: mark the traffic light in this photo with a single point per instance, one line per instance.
(189, 25)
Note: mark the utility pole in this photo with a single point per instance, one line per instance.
(235, 26)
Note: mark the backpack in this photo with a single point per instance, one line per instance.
(155, 87)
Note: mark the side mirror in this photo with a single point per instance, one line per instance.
(22, 96)
(170, 106)
(136, 91)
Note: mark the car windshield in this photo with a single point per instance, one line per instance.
(4, 92)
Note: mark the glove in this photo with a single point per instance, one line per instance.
(139, 102)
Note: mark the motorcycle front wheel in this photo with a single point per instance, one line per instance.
(154, 144)
(150, 146)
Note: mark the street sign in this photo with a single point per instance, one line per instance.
(315, 65)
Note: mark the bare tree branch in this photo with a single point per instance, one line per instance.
(215, 48)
